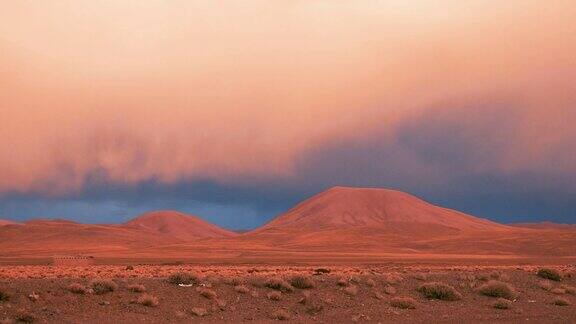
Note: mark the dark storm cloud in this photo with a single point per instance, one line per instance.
(449, 155)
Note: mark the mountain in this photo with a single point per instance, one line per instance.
(49, 237)
(177, 225)
(354, 224)
(372, 221)
(546, 226)
(6, 222)
(344, 207)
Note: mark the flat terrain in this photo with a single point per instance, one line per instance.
(245, 293)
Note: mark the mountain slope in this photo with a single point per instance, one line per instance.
(343, 207)
(546, 226)
(177, 225)
(6, 222)
(45, 237)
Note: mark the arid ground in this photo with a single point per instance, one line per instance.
(328, 294)
(344, 255)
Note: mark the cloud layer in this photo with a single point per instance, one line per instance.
(437, 98)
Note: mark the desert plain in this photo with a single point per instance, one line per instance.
(344, 255)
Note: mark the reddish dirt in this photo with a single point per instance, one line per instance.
(369, 299)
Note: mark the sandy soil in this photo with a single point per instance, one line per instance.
(345, 294)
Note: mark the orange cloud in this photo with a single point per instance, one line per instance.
(143, 90)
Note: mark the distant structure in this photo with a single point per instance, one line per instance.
(72, 260)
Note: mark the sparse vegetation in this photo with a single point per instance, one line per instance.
(561, 302)
(207, 293)
(550, 274)
(278, 284)
(351, 290)
(302, 282)
(281, 315)
(77, 288)
(441, 291)
(389, 290)
(24, 316)
(494, 288)
(403, 302)
(314, 308)
(257, 281)
(233, 281)
(392, 278)
(274, 295)
(569, 289)
(183, 278)
(199, 311)
(241, 289)
(322, 271)
(4, 296)
(148, 300)
(544, 284)
(103, 286)
(137, 288)
(502, 303)
(558, 291)
(343, 282)
(370, 282)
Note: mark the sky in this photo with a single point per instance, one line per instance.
(236, 110)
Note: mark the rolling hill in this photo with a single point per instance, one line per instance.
(342, 222)
(177, 225)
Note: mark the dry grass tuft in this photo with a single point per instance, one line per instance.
(233, 281)
(4, 296)
(558, 291)
(319, 271)
(183, 278)
(391, 278)
(502, 303)
(257, 281)
(274, 295)
(24, 316)
(281, 315)
(302, 282)
(544, 284)
(314, 308)
(278, 284)
(103, 286)
(389, 290)
(561, 302)
(77, 288)
(241, 289)
(148, 300)
(550, 274)
(343, 282)
(499, 289)
(137, 288)
(370, 282)
(441, 291)
(569, 289)
(199, 311)
(403, 302)
(351, 290)
(305, 298)
(207, 293)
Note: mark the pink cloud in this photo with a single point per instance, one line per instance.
(143, 90)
